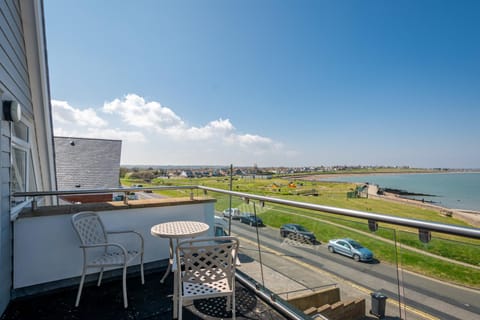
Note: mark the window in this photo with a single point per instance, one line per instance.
(22, 167)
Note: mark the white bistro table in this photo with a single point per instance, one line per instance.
(176, 230)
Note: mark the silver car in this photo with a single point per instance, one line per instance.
(234, 212)
(350, 248)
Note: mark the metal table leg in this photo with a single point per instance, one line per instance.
(170, 260)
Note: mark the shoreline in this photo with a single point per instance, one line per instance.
(320, 177)
(471, 217)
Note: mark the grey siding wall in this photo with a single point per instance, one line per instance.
(13, 62)
(5, 225)
(87, 163)
(14, 84)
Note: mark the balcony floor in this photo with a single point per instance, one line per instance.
(150, 301)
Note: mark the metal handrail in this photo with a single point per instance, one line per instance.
(468, 232)
(420, 224)
(96, 191)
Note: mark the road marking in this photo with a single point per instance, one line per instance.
(354, 285)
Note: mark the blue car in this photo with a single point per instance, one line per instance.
(250, 219)
(350, 248)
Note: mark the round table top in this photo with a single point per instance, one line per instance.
(179, 229)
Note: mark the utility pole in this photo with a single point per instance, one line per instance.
(230, 201)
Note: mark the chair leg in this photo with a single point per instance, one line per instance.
(124, 280)
(175, 294)
(180, 307)
(233, 306)
(228, 305)
(77, 302)
(100, 277)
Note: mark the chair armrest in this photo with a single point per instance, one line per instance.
(112, 244)
(119, 231)
(128, 231)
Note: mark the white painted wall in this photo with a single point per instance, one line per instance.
(46, 248)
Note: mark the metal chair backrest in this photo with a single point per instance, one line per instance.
(208, 259)
(89, 228)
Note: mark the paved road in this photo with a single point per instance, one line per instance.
(146, 195)
(425, 298)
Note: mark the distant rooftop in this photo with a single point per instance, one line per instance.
(84, 163)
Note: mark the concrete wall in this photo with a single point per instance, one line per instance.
(316, 299)
(351, 310)
(327, 303)
(47, 249)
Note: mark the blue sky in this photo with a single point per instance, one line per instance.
(272, 83)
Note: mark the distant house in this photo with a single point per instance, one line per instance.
(186, 174)
(83, 163)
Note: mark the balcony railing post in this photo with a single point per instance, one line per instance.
(34, 204)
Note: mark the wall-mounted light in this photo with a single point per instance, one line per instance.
(12, 111)
(72, 143)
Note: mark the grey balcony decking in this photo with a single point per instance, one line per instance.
(150, 301)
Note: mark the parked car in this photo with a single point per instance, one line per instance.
(132, 196)
(249, 218)
(221, 227)
(118, 197)
(350, 248)
(234, 212)
(296, 229)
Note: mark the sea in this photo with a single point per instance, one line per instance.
(448, 190)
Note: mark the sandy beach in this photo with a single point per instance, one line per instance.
(469, 216)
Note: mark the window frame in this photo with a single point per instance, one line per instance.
(31, 165)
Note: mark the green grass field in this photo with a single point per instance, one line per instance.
(327, 226)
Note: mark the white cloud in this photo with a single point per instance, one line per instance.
(73, 122)
(136, 112)
(214, 129)
(64, 113)
(154, 134)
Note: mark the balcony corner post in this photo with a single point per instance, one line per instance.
(34, 204)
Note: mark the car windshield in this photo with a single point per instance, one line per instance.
(302, 228)
(355, 244)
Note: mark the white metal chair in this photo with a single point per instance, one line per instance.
(98, 252)
(209, 270)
